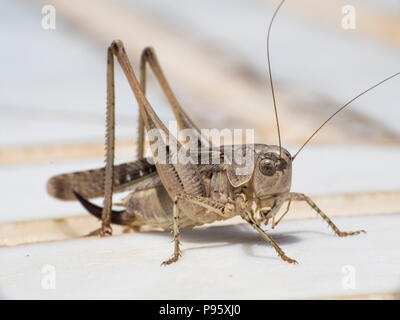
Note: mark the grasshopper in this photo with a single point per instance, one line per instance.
(184, 195)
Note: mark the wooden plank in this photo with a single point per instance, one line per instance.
(343, 205)
(18, 155)
(230, 262)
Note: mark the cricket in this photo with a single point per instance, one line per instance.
(173, 195)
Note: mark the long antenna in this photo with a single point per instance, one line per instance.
(341, 108)
(270, 77)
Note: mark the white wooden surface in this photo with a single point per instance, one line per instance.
(217, 263)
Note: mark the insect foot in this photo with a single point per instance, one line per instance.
(103, 231)
(174, 258)
(350, 233)
(287, 259)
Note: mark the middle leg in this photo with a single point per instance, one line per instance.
(222, 209)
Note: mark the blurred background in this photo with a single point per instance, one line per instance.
(53, 88)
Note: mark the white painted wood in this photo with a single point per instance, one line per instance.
(217, 263)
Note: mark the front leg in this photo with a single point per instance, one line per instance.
(241, 206)
(303, 197)
(248, 217)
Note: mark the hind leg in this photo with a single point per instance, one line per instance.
(184, 121)
(105, 229)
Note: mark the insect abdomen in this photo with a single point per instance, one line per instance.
(153, 207)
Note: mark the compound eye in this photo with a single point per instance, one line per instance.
(267, 167)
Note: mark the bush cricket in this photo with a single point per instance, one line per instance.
(184, 195)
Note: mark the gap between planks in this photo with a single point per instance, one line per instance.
(341, 205)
